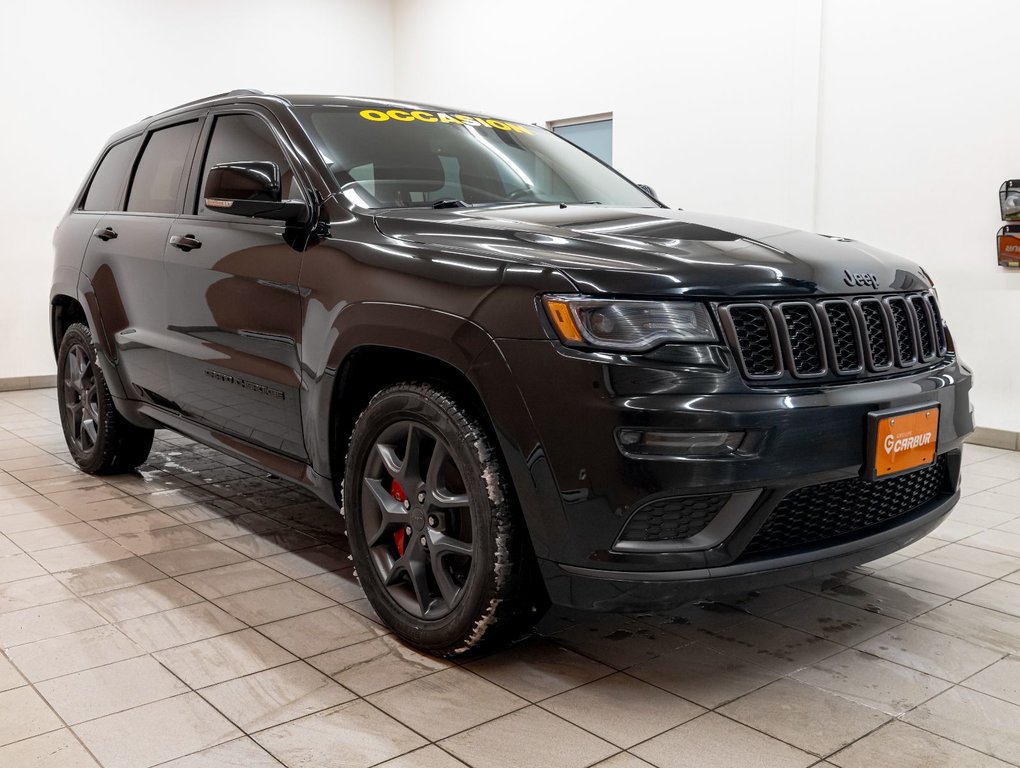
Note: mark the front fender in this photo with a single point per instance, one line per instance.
(330, 337)
(456, 342)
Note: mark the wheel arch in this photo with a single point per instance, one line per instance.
(73, 300)
(64, 312)
(369, 368)
(373, 345)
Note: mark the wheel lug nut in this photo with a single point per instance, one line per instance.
(407, 504)
(421, 497)
(407, 530)
(432, 521)
(423, 541)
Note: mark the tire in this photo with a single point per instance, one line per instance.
(100, 440)
(455, 582)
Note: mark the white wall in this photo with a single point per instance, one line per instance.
(891, 122)
(72, 73)
(714, 104)
(920, 124)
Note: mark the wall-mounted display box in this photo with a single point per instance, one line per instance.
(1009, 236)
(1009, 245)
(1009, 200)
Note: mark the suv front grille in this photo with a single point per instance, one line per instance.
(755, 332)
(828, 511)
(834, 339)
(902, 331)
(804, 341)
(878, 344)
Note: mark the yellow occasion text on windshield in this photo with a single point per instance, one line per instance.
(410, 116)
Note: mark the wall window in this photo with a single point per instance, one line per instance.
(593, 134)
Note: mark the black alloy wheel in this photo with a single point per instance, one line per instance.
(436, 538)
(81, 398)
(417, 516)
(99, 438)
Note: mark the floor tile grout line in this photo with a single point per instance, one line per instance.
(537, 702)
(64, 723)
(732, 720)
(893, 719)
(244, 737)
(920, 558)
(910, 622)
(963, 683)
(168, 698)
(721, 704)
(411, 728)
(603, 738)
(902, 622)
(947, 738)
(615, 671)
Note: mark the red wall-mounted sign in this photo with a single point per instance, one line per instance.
(1009, 245)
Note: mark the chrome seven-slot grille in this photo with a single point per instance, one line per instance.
(835, 338)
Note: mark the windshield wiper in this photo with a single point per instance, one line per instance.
(449, 202)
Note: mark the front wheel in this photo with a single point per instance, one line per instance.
(100, 440)
(435, 536)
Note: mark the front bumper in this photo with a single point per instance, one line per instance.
(579, 489)
(631, 591)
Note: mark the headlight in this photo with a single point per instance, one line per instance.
(627, 325)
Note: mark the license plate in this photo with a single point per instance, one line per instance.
(902, 440)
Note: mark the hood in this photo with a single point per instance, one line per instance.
(657, 251)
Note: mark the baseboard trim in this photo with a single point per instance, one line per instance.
(27, 382)
(995, 438)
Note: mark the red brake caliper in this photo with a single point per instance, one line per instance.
(399, 538)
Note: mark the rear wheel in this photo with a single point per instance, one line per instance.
(100, 439)
(434, 534)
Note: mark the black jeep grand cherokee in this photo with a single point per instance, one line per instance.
(515, 371)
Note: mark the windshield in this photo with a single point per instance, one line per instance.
(415, 158)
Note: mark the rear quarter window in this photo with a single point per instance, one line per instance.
(106, 190)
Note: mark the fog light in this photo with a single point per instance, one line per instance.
(640, 443)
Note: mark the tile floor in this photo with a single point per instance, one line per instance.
(200, 614)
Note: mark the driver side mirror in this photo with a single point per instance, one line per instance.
(251, 188)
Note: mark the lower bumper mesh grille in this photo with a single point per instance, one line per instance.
(673, 519)
(819, 513)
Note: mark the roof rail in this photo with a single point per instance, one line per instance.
(236, 92)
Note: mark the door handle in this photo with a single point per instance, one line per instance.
(105, 234)
(185, 242)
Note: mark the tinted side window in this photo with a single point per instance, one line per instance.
(158, 176)
(107, 185)
(238, 138)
